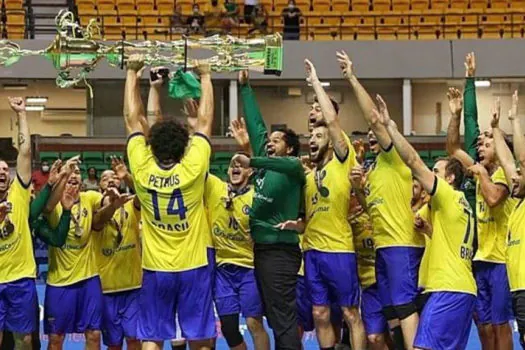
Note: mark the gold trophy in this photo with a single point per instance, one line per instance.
(75, 50)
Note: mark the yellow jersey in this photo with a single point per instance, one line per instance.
(327, 200)
(301, 241)
(118, 251)
(493, 222)
(75, 260)
(450, 248)
(175, 229)
(17, 260)
(516, 248)
(229, 221)
(388, 194)
(424, 213)
(364, 243)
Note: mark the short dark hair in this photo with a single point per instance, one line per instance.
(292, 140)
(334, 104)
(320, 124)
(168, 140)
(454, 167)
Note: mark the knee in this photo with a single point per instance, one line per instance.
(376, 339)
(23, 339)
(351, 315)
(486, 330)
(321, 313)
(92, 337)
(56, 339)
(254, 325)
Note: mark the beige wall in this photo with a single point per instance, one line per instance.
(57, 98)
(426, 95)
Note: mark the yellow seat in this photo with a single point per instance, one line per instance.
(13, 4)
(360, 5)
(496, 25)
(321, 5)
(15, 19)
(501, 4)
(392, 27)
(186, 5)
(381, 5)
(145, 5)
(459, 4)
(400, 5)
(340, 5)
(332, 18)
(479, 4)
(427, 25)
(303, 5)
(360, 27)
(439, 4)
(87, 10)
(419, 5)
(166, 8)
(517, 4)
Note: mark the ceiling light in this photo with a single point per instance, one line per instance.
(15, 86)
(35, 108)
(482, 83)
(36, 99)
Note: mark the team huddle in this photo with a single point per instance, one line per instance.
(381, 254)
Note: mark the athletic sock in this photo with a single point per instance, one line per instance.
(178, 347)
(397, 335)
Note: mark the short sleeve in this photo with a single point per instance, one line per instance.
(212, 190)
(138, 151)
(499, 178)
(390, 155)
(442, 194)
(196, 161)
(20, 190)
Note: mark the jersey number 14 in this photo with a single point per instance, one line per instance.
(175, 205)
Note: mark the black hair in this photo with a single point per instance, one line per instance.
(168, 140)
(320, 124)
(292, 140)
(334, 104)
(454, 167)
(92, 167)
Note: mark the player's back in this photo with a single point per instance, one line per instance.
(450, 249)
(364, 244)
(175, 225)
(388, 195)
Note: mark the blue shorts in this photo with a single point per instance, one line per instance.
(167, 295)
(236, 291)
(18, 302)
(331, 278)
(210, 252)
(120, 316)
(397, 274)
(445, 322)
(73, 309)
(372, 311)
(304, 308)
(494, 302)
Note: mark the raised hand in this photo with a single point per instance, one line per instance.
(203, 68)
(306, 162)
(71, 165)
(311, 73)
(135, 62)
(470, 65)
(383, 110)
(69, 198)
(291, 225)
(359, 147)
(477, 169)
(496, 113)
(421, 225)
(243, 77)
(116, 199)
(17, 104)
(160, 79)
(119, 167)
(455, 101)
(239, 132)
(345, 64)
(356, 176)
(55, 173)
(513, 112)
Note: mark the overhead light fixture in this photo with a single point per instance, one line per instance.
(482, 83)
(15, 86)
(35, 108)
(323, 83)
(36, 99)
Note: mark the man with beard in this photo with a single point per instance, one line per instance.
(330, 260)
(515, 253)
(17, 282)
(279, 179)
(235, 287)
(119, 261)
(493, 207)
(388, 194)
(451, 285)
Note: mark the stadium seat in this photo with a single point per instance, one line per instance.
(49, 156)
(517, 4)
(400, 5)
(340, 5)
(68, 155)
(439, 4)
(496, 24)
(222, 157)
(499, 4)
(419, 4)
(15, 24)
(360, 5)
(459, 4)
(479, 4)
(332, 18)
(427, 25)
(321, 5)
(145, 5)
(381, 5)
(93, 157)
(186, 5)
(435, 154)
(392, 27)
(357, 28)
(303, 5)
(166, 7)
(461, 25)
(109, 154)
(13, 4)
(87, 10)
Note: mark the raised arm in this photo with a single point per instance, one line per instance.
(285, 165)
(470, 113)
(518, 139)
(254, 120)
(58, 189)
(357, 179)
(112, 201)
(240, 134)
(23, 141)
(503, 152)
(133, 101)
(329, 113)
(455, 103)
(154, 106)
(205, 112)
(409, 155)
(39, 203)
(366, 103)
